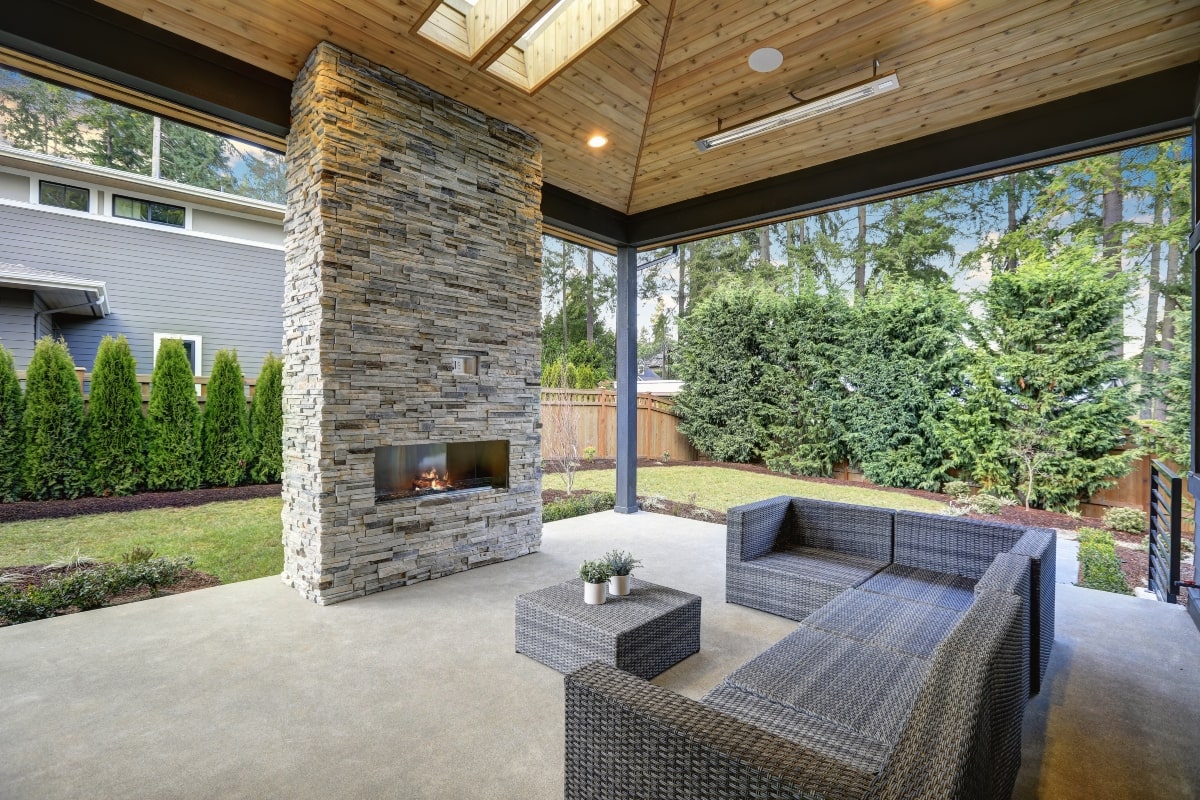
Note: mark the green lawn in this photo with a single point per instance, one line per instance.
(234, 541)
(720, 488)
(239, 540)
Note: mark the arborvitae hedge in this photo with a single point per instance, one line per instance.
(53, 421)
(266, 422)
(173, 451)
(116, 430)
(12, 438)
(224, 428)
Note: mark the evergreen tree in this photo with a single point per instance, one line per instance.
(12, 436)
(266, 422)
(122, 137)
(116, 431)
(913, 237)
(726, 358)
(265, 177)
(901, 356)
(173, 441)
(53, 422)
(801, 397)
(40, 116)
(1045, 399)
(195, 157)
(224, 427)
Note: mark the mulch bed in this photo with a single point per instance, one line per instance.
(1016, 515)
(57, 509)
(34, 574)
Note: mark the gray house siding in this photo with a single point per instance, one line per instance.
(158, 280)
(16, 324)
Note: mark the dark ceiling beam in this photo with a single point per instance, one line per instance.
(94, 39)
(1139, 108)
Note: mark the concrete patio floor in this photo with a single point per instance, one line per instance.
(247, 691)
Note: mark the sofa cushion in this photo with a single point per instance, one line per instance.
(824, 566)
(887, 622)
(923, 586)
(856, 530)
(948, 544)
(863, 688)
(815, 733)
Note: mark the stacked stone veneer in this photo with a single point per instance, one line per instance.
(413, 236)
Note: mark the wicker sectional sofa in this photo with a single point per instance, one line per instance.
(921, 638)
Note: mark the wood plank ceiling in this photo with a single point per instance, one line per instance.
(672, 70)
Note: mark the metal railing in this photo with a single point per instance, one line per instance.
(1166, 526)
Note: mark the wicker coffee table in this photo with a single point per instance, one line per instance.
(644, 633)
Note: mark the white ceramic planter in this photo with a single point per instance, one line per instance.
(619, 585)
(594, 594)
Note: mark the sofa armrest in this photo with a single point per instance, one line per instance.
(753, 529)
(627, 739)
(1041, 546)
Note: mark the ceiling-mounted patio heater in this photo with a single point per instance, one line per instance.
(865, 90)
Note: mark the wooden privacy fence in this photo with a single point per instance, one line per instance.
(589, 418)
(85, 384)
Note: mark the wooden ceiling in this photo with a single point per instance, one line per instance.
(675, 69)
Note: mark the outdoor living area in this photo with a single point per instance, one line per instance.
(241, 691)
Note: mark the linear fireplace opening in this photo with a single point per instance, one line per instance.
(417, 470)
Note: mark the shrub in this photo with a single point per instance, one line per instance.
(1099, 566)
(959, 490)
(87, 589)
(589, 454)
(173, 444)
(53, 424)
(224, 427)
(578, 505)
(12, 437)
(266, 422)
(985, 504)
(1126, 520)
(153, 573)
(116, 430)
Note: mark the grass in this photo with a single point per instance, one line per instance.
(721, 488)
(239, 540)
(235, 541)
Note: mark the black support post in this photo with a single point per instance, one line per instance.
(627, 380)
(1193, 604)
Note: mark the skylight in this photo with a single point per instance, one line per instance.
(524, 42)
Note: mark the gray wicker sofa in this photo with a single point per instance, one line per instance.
(907, 677)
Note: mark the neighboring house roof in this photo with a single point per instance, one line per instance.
(660, 387)
(648, 374)
(60, 292)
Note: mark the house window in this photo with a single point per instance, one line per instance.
(148, 211)
(191, 345)
(61, 195)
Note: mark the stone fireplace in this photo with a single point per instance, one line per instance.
(411, 334)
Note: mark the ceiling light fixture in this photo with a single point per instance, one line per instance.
(865, 90)
(598, 140)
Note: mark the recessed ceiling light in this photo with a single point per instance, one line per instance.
(766, 59)
(598, 140)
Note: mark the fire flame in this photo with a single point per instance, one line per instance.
(432, 480)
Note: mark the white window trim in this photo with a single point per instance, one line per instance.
(185, 337)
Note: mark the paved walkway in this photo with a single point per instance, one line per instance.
(248, 691)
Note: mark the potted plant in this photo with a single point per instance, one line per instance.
(620, 563)
(595, 576)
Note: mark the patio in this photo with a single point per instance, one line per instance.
(241, 691)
